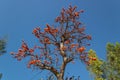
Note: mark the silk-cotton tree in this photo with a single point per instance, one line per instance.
(59, 45)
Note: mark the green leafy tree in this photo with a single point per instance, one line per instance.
(113, 61)
(2, 50)
(59, 45)
(2, 46)
(108, 69)
(0, 76)
(94, 65)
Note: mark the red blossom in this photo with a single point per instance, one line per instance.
(24, 46)
(73, 45)
(67, 41)
(81, 49)
(31, 50)
(57, 19)
(76, 14)
(34, 62)
(34, 31)
(46, 40)
(89, 37)
(47, 29)
(94, 59)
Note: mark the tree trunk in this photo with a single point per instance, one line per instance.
(60, 76)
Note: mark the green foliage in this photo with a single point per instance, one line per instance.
(2, 50)
(0, 76)
(109, 69)
(95, 65)
(2, 46)
(113, 61)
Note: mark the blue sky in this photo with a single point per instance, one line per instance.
(19, 17)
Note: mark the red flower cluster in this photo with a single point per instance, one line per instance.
(36, 32)
(73, 45)
(32, 62)
(50, 30)
(22, 51)
(67, 41)
(89, 37)
(92, 58)
(46, 40)
(20, 54)
(76, 13)
(71, 12)
(31, 50)
(47, 29)
(81, 49)
(24, 47)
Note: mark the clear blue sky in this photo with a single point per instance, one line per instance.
(19, 17)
